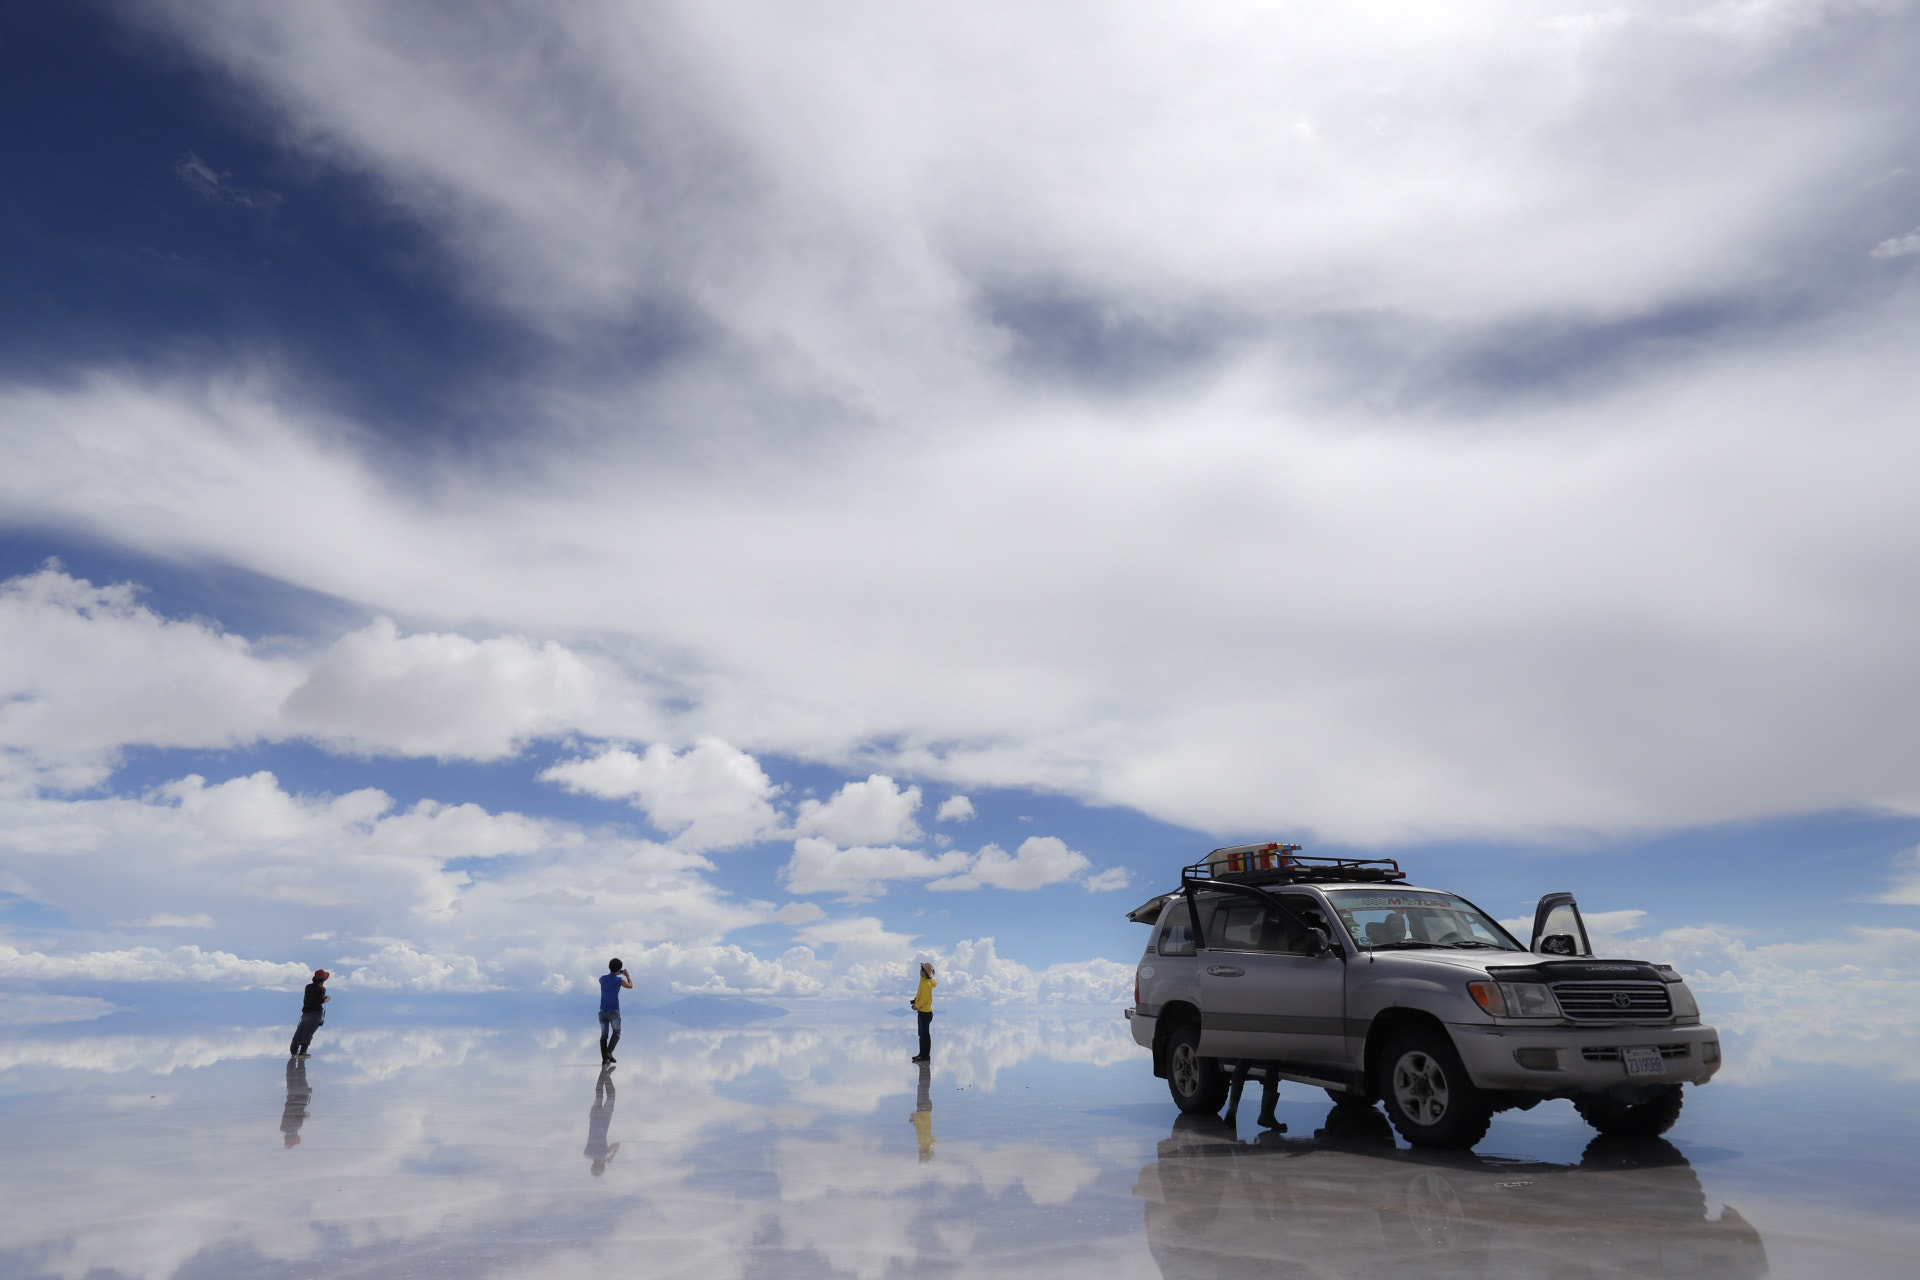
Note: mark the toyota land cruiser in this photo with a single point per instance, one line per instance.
(1336, 973)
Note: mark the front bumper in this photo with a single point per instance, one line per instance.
(1585, 1059)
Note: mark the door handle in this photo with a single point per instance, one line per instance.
(1225, 971)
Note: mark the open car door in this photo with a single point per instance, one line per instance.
(1558, 929)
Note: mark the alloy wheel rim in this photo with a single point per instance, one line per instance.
(1186, 1074)
(1420, 1087)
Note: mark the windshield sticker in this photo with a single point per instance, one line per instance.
(1391, 901)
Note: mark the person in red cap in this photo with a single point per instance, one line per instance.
(313, 1012)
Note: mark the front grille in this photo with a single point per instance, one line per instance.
(1614, 1001)
(1601, 1054)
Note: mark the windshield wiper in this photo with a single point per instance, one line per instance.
(1406, 946)
(1475, 942)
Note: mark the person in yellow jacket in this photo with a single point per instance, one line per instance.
(923, 1005)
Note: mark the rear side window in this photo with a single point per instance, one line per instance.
(1248, 924)
(1176, 931)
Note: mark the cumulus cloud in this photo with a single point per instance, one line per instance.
(974, 969)
(255, 808)
(876, 811)
(954, 809)
(438, 898)
(440, 695)
(86, 670)
(150, 964)
(1905, 246)
(1040, 861)
(861, 872)
(711, 796)
(89, 670)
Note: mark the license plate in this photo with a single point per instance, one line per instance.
(1643, 1062)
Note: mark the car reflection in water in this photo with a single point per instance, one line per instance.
(1348, 1202)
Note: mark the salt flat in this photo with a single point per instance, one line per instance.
(1032, 1146)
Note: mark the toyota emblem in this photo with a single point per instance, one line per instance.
(1621, 999)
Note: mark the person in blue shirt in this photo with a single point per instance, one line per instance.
(611, 981)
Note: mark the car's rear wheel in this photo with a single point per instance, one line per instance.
(1646, 1119)
(1197, 1084)
(1428, 1095)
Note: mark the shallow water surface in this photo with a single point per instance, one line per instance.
(1030, 1147)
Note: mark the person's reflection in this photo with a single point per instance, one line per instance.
(299, 1094)
(598, 1149)
(923, 1113)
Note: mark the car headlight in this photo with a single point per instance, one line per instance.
(1684, 1005)
(1529, 1000)
(1514, 999)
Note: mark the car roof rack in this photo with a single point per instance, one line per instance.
(1275, 863)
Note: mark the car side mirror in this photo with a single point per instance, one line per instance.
(1557, 944)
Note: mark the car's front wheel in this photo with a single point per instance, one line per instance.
(1197, 1084)
(1648, 1118)
(1428, 1095)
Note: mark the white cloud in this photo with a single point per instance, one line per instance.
(399, 965)
(1040, 861)
(954, 809)
(150, 964)
(711, 796)
(1417, 467)
(1905, 890)
(440, 695)
(168, 920)
(1106, 881)
(255, 808)
(770, 178)
(975, 970)
(1899, 246)
(820, 866)
(86, 670)
(550, 903)
(89, 670)
(876, 811)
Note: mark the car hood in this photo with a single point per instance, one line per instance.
(1521, 966)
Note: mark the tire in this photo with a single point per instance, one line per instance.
(1197, 1084)
(1647, 1119)
(1428, 1096)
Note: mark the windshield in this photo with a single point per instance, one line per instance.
(1410, 920)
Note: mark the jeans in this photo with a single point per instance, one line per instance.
(926, 1034)
(609, 1031)
(303, 1034)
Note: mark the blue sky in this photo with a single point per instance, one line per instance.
(490, 486)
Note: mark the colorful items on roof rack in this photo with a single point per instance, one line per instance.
(1275, 863)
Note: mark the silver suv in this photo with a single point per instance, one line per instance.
(1334, 972)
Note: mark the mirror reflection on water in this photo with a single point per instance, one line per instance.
(1027, 1147)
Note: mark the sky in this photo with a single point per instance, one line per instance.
(775, 495)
